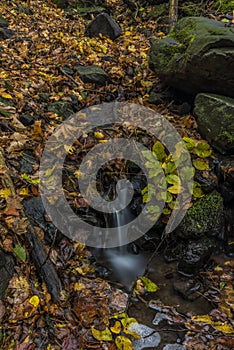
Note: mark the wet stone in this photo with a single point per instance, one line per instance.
(187, 288)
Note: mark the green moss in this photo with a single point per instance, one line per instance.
(182, 33)
(160, 10)
(206, 215)
(223, 5)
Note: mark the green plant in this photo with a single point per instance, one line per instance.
(159, 160)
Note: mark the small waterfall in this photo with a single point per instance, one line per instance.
(125, 265)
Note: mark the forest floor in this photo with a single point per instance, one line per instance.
(34, 72)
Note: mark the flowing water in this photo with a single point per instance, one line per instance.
(124, 266)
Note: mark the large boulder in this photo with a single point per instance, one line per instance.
(197, 56)
(105, 25)
(215, 118)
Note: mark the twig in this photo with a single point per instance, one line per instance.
(44, 266)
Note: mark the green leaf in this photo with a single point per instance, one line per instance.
(152, 209)
(189, 143)
(159, 150)
(166, 211)
(203, 149)
(105, 335)
(170, 168)
(20, 252)
(173, 179)
(29, 179)
(155, 171)
(201, 164)
(187, 173)
(149, 285)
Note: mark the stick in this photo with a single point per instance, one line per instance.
(44, 266)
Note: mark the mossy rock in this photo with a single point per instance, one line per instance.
(204, 218)
(61, 108)
(215, 118)
(93, 74)
(197, 56)
(3, 22)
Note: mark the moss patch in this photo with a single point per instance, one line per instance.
(205, 217)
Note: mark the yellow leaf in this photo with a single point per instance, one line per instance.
(127, 33)
(126, 322)
(79, 175)
(123, 343)
(149, 285)
(34, 300)
(69, 149)
(116, 328)
(61, 325)
(224, 327)
(202, 319)
(175, 189)
(79, 286)
(23, 191)
(146, 83)
(19, 95)
(6, 193)
(101, 335)
(6, 95)
(99, 135)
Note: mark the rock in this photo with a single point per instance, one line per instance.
(6, 272)
(105, 25)
(27, 119)
(174, 347)
(187, 288)
(93, 74)
(6, 33)
(215, 119)
(61, 108)
(195, 254)
(3, 22)
(205, 217)
(197, 56)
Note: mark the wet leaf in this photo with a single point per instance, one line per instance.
(173, 179)
(20, 252)
(101, 335)
(159, 151)
(201, 164)
(123, 343)
(149, 285)
(175, 189)
(99, 135)
(116, 328)
(30, 179)
(34, 300)
(190, 143)
(5, 193)
(203, 149)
